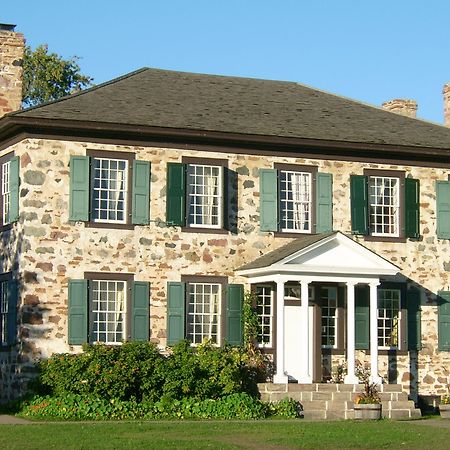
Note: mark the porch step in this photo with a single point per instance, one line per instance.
(335, 401)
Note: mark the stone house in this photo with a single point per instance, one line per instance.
(145, 207)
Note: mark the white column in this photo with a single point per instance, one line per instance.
(280, 376)
(351, 378)
(306, 370)
(374, 378)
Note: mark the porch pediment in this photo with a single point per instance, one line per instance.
(327, 254)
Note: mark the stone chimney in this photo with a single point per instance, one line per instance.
(446, 93)
(12, 47)
(406, 108)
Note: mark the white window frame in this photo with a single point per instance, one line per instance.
(205, 314)
(6, 191)
(380, 203)
(296, 201)
(265, 310)
(384, 333)
(97, 309)
(196, 198)
(96, 202)
(331, 320)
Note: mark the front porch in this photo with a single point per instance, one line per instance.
(321, 401)
(320, 270)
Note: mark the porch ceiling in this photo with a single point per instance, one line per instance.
(324, 254)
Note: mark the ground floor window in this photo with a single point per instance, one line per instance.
(264, 309)
(388, 318)
(3, 312)
(109, 299)
(329, 301)
(203, 312)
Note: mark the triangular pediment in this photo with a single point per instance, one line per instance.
(333, 253)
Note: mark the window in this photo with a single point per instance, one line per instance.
(389, 318)
(203, 308)
(108, 305)
(295, 199)
(108, 308)
(329, 301)
(9, 189)
(385, 204)
(203, 317)
(204, 200)
(197, 193)
(264, 309)
(109, 189)
(8, 305)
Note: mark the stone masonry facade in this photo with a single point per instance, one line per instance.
(47, 250)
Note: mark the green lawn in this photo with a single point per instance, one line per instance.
(287, 434)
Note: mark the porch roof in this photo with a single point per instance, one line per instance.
(330, 253)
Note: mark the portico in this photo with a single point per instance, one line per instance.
(328, 263)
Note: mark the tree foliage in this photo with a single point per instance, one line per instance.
(47, 76)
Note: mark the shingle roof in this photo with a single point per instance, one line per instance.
(286, 250)
(160, 98)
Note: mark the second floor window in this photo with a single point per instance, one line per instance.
(204, 199)
(295, 201)
(384, 201)
(110, 190)
(6, 191)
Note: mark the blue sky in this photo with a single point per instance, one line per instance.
(368, 50)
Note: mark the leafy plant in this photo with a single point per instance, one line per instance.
(370, 393)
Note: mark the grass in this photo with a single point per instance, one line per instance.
(286, 434)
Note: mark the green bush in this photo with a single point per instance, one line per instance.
(79, 407)
(138, 371)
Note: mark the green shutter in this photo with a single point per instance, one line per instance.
(414, 319)
(235, 299)
(12, 299)
(324, 203)
(359, 203)
(176, 194)
(140, 311)
(14, 165)
(412, 208)
(268, 185)
(175, 312)
(444, 321)
(78, 311)
(79, 188)
(141, 193)
(443, 209)
(362, 317)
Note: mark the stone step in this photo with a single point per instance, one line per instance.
(402, 404)
(314, 404)
(402, 413)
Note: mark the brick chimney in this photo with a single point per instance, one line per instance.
(446, 93)
(406, 108)
(12, 47)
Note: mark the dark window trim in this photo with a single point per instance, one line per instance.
(3, 159)
(401, 175)
(223, 281)
(194, 160)
(108, 276)
(108, 154)
(313, 170)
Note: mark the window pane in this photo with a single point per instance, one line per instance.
(384, 206)
(388, 317)
(108, 311)
(329, 316)
(110, 186)
(6, 193)
(204, 312)
(205, 195)
(295, 201)
(264, 308)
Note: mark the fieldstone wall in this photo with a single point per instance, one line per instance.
(48, 250)
(11, 55)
